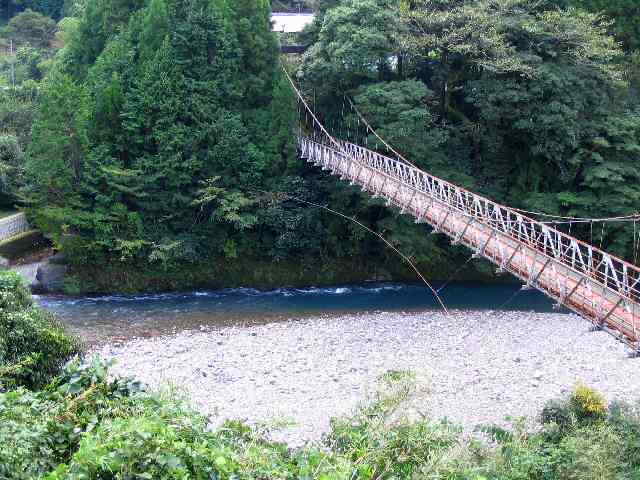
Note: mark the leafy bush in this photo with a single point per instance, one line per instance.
(558, 412)
(39, 430)
(25, 441)
(383, 442)
(583, 406)
(32, 28)
(33, 344)
(11, 161)
(587, 404)
(590, 453)
(86, 426)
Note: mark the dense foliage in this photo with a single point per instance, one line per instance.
(51, 8)
(33, 344)
(152, 137)
(158, 126)
(525, 101)
(161, 130)
(625, 15)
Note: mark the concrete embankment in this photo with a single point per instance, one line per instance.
(13, 225)
(472, 367)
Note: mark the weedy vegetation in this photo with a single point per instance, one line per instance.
(33, 344)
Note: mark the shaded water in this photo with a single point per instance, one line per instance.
(120, 317)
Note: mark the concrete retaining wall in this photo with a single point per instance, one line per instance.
(13, 225)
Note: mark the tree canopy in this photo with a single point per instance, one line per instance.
(522, 100)
(150, 133)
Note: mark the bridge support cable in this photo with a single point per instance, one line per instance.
(381, 237)
(603, 289)
(521, 240)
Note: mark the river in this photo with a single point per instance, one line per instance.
(119, 317)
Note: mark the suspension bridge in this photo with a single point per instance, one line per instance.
(601, 288)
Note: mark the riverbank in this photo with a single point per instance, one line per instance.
(471, 367)
(264, 274)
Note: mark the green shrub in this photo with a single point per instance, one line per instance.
(625, 419)
(14, 296)
(11, 166)
(87, 426)
(145, 447)
(40, 430)
(382, 442)
(557, 412)
(590, 453)
(33, 344)
(587, 404)
(25, 443)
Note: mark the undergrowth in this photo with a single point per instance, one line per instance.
(84, 425)
(33, 344)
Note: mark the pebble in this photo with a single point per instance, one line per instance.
(472, 367)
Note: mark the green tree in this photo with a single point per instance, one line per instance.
(529, 94)
(513, 94)
(625, 15)
(100, 21)
(56, 164)
(177, 108)
(355, 41)
(11, 168)
(31, 28)
(258, 55)
(17, 111)
(33, 345)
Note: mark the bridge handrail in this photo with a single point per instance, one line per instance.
(611, 272)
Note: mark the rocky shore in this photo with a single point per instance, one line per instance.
(472, 367)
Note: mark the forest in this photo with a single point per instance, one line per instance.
(150, 140)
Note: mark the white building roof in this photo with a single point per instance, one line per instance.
(291, 22)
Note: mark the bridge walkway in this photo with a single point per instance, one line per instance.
(601, 288)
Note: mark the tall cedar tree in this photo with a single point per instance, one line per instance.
(179, 102)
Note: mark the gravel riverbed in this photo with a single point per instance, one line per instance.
(472, 367)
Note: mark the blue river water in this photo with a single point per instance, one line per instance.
(121, 317)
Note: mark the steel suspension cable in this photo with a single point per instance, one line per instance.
(635, 216)
(455, 274)
(313, 115)
(369, 127)
(401, 157)
(631, 217)
(377, 234)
